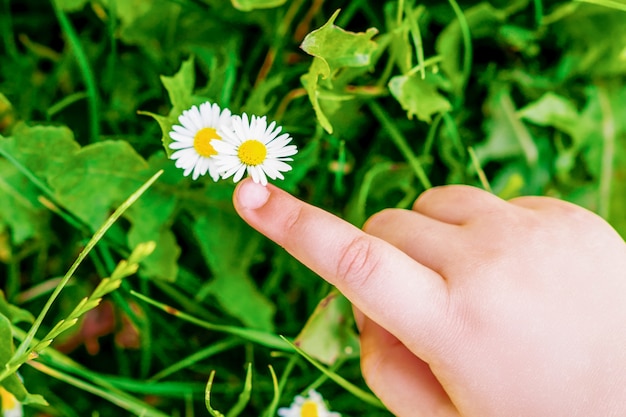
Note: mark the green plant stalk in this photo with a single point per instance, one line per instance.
(479, 170)
(23, 347)
(401, 143)
(339, 172)
(57, 360)
(65, 102)
(452, 129)
(6, 25)
(244, 397)
(266, 339)
(538, 4)
(118, 398)
(417, 38)
(207, 397)
(83, 63)
(271, 409)
(608, 152)
(606, 3)
(467, 42)
(196, 357)
(339, 380)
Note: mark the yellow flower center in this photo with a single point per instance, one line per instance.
(202, 141)
(309, 409)
(7, 400)
(252, 152)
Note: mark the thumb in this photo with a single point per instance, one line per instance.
(402, 295)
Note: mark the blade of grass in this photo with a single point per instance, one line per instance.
(339, 380)
(269, 340)
(401, 142)
(608, 152)
(606, 3)
(467, 42)
(83, 63)
(479, 170)
(196, 357)
(207, 397)
(23, 347)
(271, 409)
(244, 397)
(118, 398)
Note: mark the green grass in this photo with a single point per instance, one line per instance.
(383, 99)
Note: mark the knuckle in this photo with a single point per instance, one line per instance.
(357, 262)
(292, 223)
(379, 220)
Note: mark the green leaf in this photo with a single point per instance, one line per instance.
(14, 313)
(418, 96)
(333, 49)
(180, 87)
(228, 245)
(552, 110)
(97, 178)
(507, 137)
(41, 148)
(310, 81)
(328, 333)
(151, 218)
(248, 5)
(180, 90)
(20, 210)
(339, 48)
(595, 38)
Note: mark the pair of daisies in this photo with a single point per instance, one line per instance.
(210, 139)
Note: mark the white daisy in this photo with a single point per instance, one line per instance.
(192, 139)
(9, 405)
(253, 146)
(311, 406)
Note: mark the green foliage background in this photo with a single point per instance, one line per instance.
(383, 99)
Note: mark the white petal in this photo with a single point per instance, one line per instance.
(181, 145)
(183, 131)
(239, 173)
(180, 137)
(184, 154)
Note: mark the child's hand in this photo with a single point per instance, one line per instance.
(469, 305)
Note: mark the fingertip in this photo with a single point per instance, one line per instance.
(250, 195)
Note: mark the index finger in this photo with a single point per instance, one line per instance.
(386, 284)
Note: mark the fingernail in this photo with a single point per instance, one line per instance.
(251, 195)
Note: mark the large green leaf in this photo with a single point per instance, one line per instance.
(339, 48)
(97, 179)
(418, 96)
(334, 49)
(41, 148)
(151, 220)
(19, 209)
(507, 136)
(329, 332)
(228, 246)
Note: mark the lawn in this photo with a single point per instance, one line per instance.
(130, 288)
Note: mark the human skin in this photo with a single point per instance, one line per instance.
(469, 305)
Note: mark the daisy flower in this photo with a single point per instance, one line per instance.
(253, 146)
(9, 406)
(311, 406)
(193, 137)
